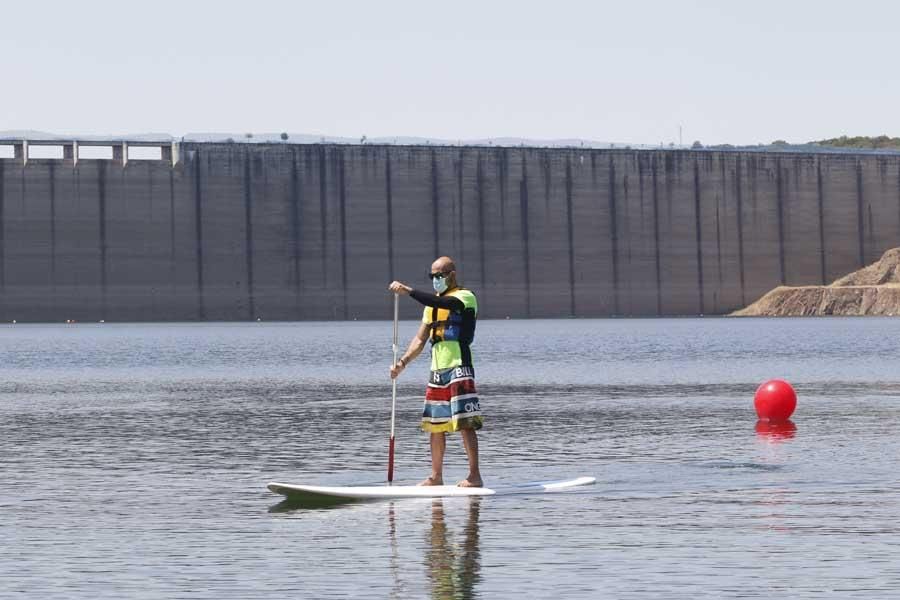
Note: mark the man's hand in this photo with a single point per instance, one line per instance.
(396, 370)
(399, 288)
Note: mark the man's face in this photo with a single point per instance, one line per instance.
(442, 267)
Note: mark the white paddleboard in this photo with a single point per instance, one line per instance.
(314, 492)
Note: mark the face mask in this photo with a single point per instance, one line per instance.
(439, 284)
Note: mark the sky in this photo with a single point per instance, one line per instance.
(631, 72)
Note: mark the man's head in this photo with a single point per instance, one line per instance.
(445, 268)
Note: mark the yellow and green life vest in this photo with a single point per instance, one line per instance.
(452, 332)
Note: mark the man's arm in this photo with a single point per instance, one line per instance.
(415, 348)
(448, 302)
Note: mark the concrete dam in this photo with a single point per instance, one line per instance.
(240, 231)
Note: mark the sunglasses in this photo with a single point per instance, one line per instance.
(437, 275)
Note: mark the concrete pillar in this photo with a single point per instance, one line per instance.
(171, 153)
(120, 153)
(70, 152)
(20, 150)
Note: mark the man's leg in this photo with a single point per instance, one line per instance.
(438, 445)
(470, 440)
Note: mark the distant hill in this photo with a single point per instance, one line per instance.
(881, 142)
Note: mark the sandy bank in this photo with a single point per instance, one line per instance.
(872, 290)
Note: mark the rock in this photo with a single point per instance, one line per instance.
(885, 271)
(872, 290)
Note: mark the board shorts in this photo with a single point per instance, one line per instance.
(451, 402)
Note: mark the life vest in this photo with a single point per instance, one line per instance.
(454, 326)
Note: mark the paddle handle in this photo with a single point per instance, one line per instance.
(393, 391)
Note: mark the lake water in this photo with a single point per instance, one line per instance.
(134, 459)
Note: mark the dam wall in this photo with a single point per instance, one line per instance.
(238, 231)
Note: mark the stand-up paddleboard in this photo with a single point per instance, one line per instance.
(374, 492)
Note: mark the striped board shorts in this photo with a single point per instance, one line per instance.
(451, 402)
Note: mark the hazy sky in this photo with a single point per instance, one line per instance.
(727, 71)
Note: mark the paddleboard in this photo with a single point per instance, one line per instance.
(374, 492)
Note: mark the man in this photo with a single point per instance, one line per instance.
(451, 402)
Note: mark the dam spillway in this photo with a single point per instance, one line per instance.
(245, 231)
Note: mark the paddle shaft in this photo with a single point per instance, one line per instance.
(393, 392)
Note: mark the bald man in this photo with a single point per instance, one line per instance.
(451, 402)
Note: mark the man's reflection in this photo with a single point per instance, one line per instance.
(453, 569)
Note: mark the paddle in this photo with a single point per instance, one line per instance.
(393, 395)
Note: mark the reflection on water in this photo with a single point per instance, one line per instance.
(775, 431)
(398, 588)
(452, 559)
(293, 502)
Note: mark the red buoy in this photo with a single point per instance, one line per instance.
(775, 400)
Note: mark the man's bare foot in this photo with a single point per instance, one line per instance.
(432, 481)
(471, 482)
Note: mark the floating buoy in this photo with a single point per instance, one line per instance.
(775, 400)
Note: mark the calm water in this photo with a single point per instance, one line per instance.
(135, 458)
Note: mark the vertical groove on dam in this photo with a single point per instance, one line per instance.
(51, 179)
(101, 197)
(2, 231)
(198, 233)
(721, 201)
(861, 234)
(739, 199)
(779, 199)
(820, 198)
(342, 198)
(570, 235)
(23, 190)
(721, 278)
(548, 178)
(248, 237)
(389, 206)
(235, 231)
(526, 253)
(461, 242)
(296, 230)
(699, 237)
(869, 218)
(172, 256)
(613, 235)
(435, 208)
(323, 212)
(500, 156)
(479, 193)
(656, 250)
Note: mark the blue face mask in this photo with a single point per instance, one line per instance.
(439, 284)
